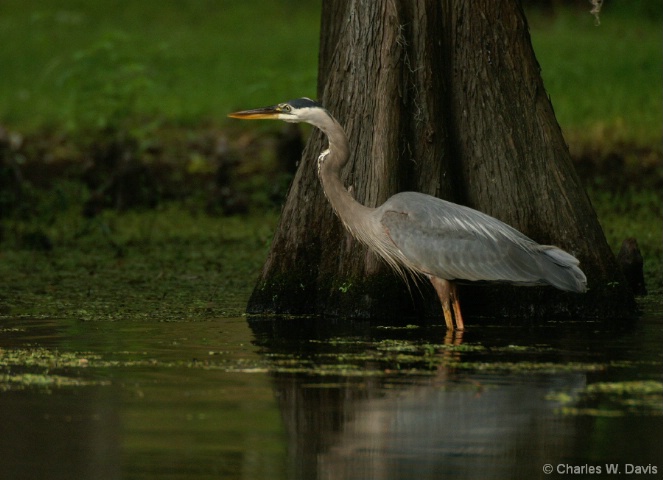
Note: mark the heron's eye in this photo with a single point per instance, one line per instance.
(286, 108)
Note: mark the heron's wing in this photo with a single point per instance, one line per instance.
(455, 242)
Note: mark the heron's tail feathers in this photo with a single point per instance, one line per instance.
(562, 271)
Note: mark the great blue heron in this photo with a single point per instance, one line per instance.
(426, 235)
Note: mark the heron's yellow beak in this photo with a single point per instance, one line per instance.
(271, 112)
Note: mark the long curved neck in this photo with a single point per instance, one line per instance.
(330, 163)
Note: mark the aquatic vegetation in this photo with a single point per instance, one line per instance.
(168, 264)
(44, 367)
(611, 399)
(44, 381)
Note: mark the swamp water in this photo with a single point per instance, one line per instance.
(124, 355)
(304, 398)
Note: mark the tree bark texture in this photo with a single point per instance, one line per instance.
(443, 97)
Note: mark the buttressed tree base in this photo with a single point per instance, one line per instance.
(444, 98)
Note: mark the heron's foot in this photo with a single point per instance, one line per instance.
(448, 295)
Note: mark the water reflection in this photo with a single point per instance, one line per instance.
(450, 422)
(75, 434)
(324, 398)
(451, 431)
(171, 401)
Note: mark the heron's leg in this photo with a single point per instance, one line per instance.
(453, 293)
(443, 289)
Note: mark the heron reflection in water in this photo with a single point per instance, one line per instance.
(425, 235)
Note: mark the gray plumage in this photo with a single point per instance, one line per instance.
(454, 242)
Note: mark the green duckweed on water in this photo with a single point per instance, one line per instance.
(168, 264)
(43, 381)
(612, 399)
(41, 367)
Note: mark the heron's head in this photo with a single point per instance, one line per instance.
(293, 111)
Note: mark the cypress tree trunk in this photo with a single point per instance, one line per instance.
(446, 98)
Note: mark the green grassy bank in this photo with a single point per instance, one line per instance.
(176, 62)
(80, 64)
